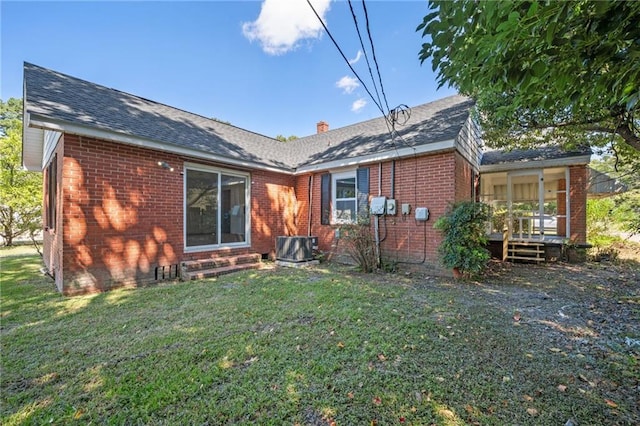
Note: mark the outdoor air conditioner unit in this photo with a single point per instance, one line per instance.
(294, 249)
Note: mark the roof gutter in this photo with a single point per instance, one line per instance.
(65, 127)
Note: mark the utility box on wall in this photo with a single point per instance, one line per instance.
(422, 213)
(378, 205)
(391, 206)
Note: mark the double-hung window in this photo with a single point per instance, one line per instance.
(345, 197)
(345, 203)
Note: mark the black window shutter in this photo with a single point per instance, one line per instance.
(325, 199)
(362, 180)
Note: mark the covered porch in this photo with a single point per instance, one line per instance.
(538, 206)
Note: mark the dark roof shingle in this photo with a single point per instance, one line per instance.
(61, 98)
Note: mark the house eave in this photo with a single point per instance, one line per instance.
(536, 164)
(377, 157)
(45, 123)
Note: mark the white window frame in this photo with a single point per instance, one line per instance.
(334, 199)
(220, 172)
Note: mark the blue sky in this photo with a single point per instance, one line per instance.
(266, 66)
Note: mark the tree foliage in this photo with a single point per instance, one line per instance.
(622, 210)
(567, 71)
(283, 138)
(20, 190)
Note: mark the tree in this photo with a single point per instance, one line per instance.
(282, 138)
(20, 190)
(622, 209)
(562, 71)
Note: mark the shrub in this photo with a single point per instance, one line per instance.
(464, 244)
(360, 245)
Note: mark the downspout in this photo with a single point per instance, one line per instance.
(376, 220)
(393, 179)
(310, 204)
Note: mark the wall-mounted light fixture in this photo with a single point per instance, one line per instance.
(164, 165)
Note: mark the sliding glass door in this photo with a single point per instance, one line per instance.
(215, 208)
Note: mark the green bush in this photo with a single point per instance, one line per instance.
(465, 239)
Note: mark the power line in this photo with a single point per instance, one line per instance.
(364, 51)
(387, 117)
(335, 43)
(373, 52)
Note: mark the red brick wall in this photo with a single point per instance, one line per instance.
(561, 203)
(275, 210)
(578, 199)
(465, 179)
(122, 214)
(430, 181)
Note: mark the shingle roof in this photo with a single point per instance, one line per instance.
(433, 122)
(61, 98)
(495, 157)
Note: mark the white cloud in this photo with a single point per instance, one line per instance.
(357, 58)
(348, 84)
(358, 105)
(282, 24)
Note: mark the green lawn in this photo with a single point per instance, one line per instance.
(285, 346)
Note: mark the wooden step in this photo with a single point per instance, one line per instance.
(526, 251)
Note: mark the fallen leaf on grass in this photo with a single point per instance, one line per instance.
(376, 400)
(527, 398)
(340, 345)
(610, 403)
(562, 388)
(350, 395)
(555, 350)
(532, 411)
(516, 316)
(381, 357)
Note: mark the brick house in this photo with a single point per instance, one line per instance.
(133, 189)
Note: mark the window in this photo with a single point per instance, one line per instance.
(215, 208)
(52, 193)
(344, 197)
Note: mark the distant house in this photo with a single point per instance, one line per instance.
(137, 191)
(602, 185)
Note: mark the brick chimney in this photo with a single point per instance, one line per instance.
(322, 126)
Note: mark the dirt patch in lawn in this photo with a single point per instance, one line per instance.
(583, 318)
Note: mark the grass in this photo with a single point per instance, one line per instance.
(286, 347)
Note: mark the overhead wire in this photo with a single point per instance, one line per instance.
(387, 116)
(366, 56)
(373, 52)
(335, 43)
